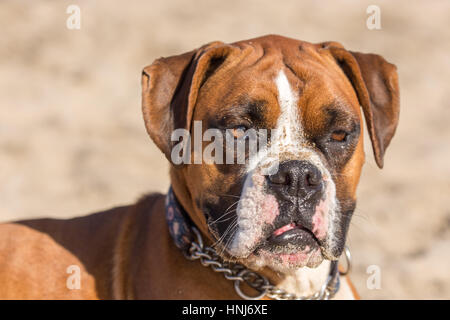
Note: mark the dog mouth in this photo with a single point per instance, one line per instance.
(290, 246)
(290, 236)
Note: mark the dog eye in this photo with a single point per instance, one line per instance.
(339, 136)
(238, 131)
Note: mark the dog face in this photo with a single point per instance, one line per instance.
(290, 203)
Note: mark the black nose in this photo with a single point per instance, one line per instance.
(297, 178)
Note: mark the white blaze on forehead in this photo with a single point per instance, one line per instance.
(288, 132)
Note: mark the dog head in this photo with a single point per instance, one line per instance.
(289, 203)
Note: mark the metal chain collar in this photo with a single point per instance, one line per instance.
(238, 273)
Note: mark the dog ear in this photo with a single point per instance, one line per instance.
(170, 87)
(376, 84)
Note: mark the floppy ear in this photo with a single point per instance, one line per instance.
(376, 84)
(170, 87)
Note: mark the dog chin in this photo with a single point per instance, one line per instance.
(286, 260)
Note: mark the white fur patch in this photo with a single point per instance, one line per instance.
(306, 281)
(287, 137)
(289, 133)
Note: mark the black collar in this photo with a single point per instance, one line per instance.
(179, 223)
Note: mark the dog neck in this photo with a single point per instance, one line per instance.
(303, 281)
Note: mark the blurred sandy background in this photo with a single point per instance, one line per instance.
(72, 140)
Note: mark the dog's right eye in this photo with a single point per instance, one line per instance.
(339, 136)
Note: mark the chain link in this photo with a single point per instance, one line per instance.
(238, 273)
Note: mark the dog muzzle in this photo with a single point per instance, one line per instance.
(189, 240)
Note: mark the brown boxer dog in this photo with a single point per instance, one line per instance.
(287, 224)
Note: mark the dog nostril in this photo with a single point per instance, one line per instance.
(280, 178)
(312, 180)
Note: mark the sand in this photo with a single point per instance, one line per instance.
(72, 139)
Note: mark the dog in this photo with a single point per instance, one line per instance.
(286, 223)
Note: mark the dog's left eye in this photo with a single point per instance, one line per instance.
(339, 136)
